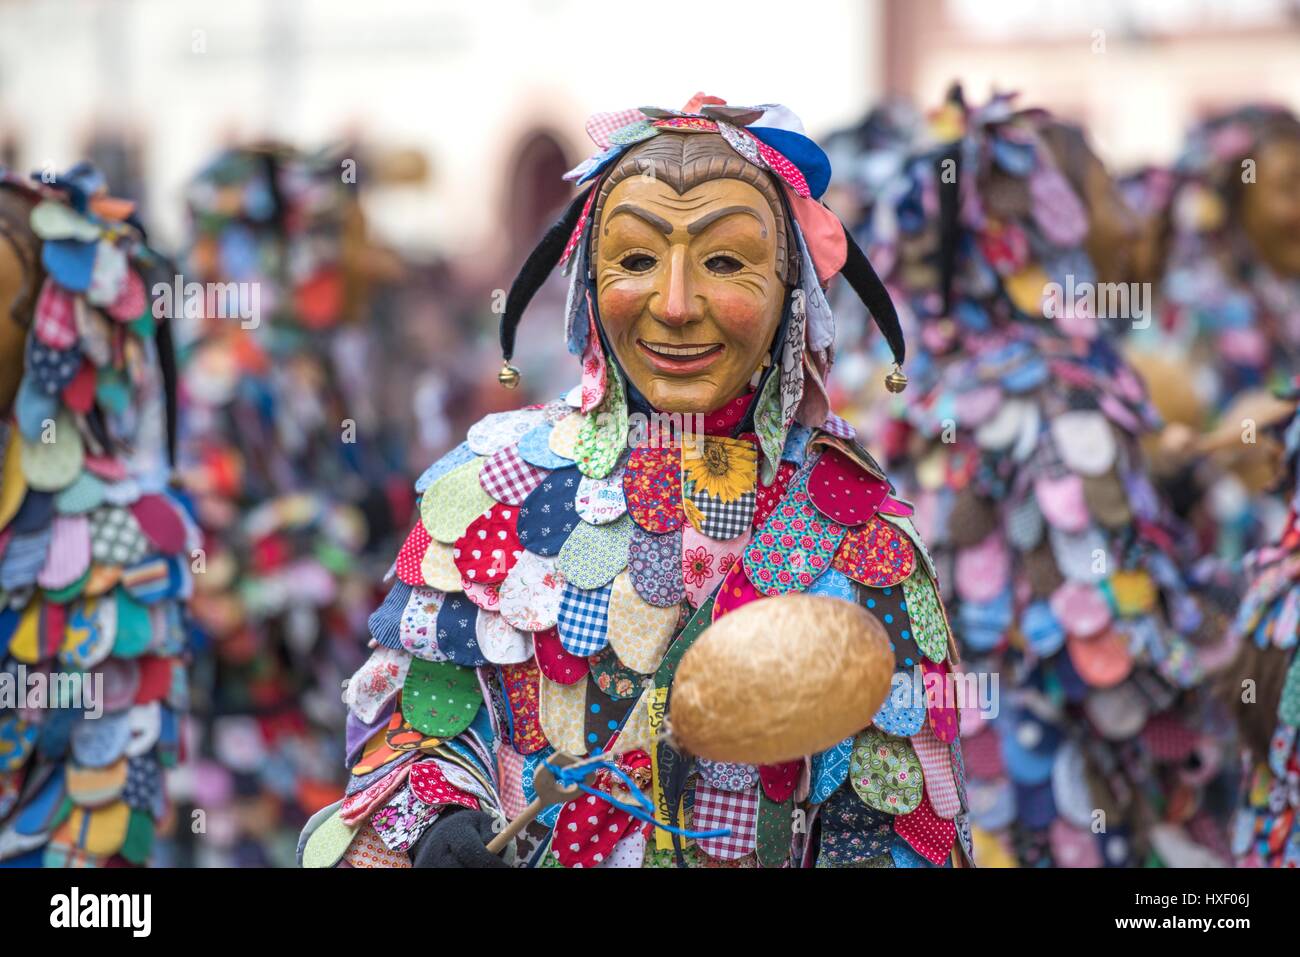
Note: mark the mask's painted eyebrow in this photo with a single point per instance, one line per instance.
(658, 222)
(708, 219)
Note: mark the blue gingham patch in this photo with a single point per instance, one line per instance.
(584, 619)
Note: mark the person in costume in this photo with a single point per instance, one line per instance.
(1265, 690)
(95, 546)
(1060, 563)
(295, 479)
(569, 553)
(1228, 315)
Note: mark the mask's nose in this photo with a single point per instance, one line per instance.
(675, 303)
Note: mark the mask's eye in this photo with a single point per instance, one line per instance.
(723, 265)
(638, 262)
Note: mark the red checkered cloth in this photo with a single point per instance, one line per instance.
(738, 810)
(55, 324)
(838, 427)
(508, 478)
(600, 126)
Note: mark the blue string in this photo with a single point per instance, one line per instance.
(643, 810)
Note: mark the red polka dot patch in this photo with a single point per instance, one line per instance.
(490, 546)
(412, 554)
(843, 491)
(555, 662)
(930, 835)
(769, 497)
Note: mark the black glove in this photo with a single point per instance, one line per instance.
(459, 838)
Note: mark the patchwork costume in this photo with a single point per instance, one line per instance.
(569, 553)
(1227, 316)
(1062, 566)
(293, 484)
(1267, 826)
(95, 546)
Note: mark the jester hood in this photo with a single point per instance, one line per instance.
(565, 561)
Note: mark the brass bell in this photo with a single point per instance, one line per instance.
(508, 376)
(896, 381)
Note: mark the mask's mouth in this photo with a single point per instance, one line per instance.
(684, 359)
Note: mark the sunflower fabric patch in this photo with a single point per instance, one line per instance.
(718, 481)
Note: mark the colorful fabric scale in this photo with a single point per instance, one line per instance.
(96, 548)
(1017, 441)
(618, 642)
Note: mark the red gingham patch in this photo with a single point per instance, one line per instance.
(490, 546)
(838, 427)
(412, 554)
(600, 126)
(510, 773)
(784, 168)
(876, 554)
(55, 323)
(936, 766)
(507, 477)
(930, 835)
(431, 786)
(738, 810)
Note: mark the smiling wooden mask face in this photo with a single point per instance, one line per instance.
(688, 288)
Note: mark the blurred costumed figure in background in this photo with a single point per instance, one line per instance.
(1223, 244)
(569, 554)
(1265, 690)
(95, 547)
(298, 487)
(1062, 566)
